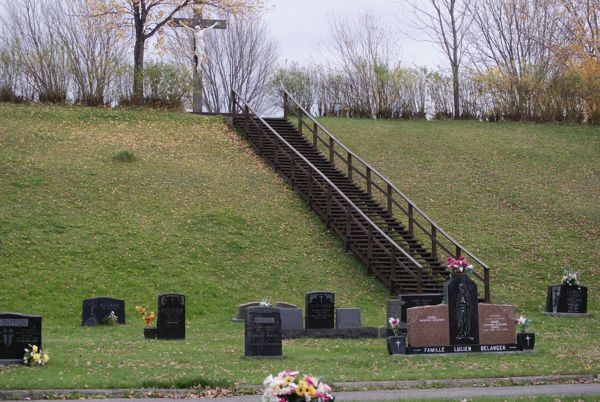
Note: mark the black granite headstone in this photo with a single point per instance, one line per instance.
(460, 293)
(170, 323)
(319, 310)
(262, 332)
(566, 299)
(97, 309)
(17, 332)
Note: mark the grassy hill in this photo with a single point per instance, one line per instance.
(198, 213)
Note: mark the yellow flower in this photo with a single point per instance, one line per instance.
(34, 348)
(287, 380)
(301, 390)
(36, 357)
(311, 390)
(46, 357)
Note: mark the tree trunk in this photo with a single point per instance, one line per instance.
(138, 71)
(455, 90)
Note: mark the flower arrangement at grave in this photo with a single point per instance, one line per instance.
(570, 278)
(35, 356)
(148, 317)
(111, 319)
(394, 325)
(459, 266)
(265, 302)
(289, 386)
(523, 323)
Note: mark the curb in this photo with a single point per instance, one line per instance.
(252, 389)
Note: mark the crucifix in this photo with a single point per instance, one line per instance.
(198, 26)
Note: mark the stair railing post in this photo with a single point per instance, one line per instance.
(329, 199)
(419, 280)
(458, 252)
(285, 105)
(232, 104)
(260, 139)
(315, 128)
(486, 285)
(411, 218)
(293, 170)
(348, 227)
(331, 148)
(433, 241)
(370, 251)
(393, 271)
(389, 198)
(310, 180)
(247, 118)
(300, 124)
(350, 166)
(369, 183)
(276, 156)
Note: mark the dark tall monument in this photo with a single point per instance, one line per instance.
(262, 332)
(319, 310)
(460, 293)
(170, 323)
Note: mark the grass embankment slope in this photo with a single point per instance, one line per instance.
(198, 213)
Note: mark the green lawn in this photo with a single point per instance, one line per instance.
(198, 213)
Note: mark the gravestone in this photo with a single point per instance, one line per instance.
(240, 314)
(496, 324)
(291, 318)
(262, 332)
(566, 299)
(285, 305)
(319, 310)
(428, 326)
(460, 293)
(95, 310)
(409, 300)
(347, 318)
(17, 332)
(170, 323)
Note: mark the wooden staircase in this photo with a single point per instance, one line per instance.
(351, 198)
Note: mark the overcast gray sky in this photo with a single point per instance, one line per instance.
(301, 28)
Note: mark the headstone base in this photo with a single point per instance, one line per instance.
(567, 314)
(437, 350)
(364, 332)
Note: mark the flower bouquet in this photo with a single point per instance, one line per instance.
(288, 386)
(459, 266)
(111, 319)
(150, 332)
(35, 357)
(525, 340)
(396, 345)
(570, 278)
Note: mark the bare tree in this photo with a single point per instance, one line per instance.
(446, 23)
(37, 47)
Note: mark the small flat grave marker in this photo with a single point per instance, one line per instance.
(320, 308)
(347, 318)
(95, 310)
(170, 323)
(262, 332)
(17, 332)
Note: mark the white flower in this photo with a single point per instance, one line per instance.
(267, 382)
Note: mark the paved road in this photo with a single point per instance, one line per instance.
(556, 390)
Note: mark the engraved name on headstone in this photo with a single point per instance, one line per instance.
(496, 324)
(170, 323)
(262, 332)
(96, 310)
(17, 332)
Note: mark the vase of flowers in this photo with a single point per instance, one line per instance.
(35, 356)
(459, 266)
(525, 340)
(570, 278)
(396, 345)
(289, 386)
(148, 317)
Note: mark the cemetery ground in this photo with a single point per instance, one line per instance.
(192, 210)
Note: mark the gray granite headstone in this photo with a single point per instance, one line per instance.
(170, 323)
(96, 310)
(17, 332)
(346, 318)
(262, 332)
(240, 314)
(285, 305)
(291, 318)
(460, 293)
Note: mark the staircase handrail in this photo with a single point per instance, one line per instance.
(236, 96)
(458, 246)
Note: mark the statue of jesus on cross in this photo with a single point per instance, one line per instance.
(199, 43)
